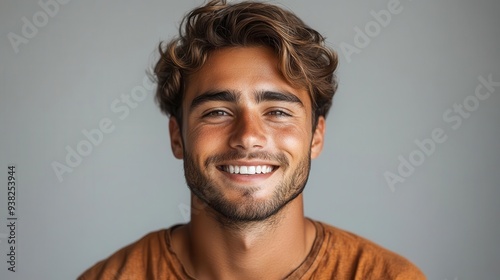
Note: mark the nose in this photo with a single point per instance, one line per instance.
(248, 133)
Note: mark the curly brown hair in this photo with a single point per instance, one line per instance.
(304, 59)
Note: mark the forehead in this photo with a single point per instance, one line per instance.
(241, 69)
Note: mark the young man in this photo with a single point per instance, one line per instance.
(247, 87)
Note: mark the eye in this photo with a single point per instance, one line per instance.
(279, 113)
(216, 113)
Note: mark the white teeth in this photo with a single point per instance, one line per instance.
(251, 170)
(248, 170)
(258, 169)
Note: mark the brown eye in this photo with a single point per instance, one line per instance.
(279, 113)
(216, 113)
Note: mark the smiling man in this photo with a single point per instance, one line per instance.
(247, 87)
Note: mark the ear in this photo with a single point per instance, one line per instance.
(175, 138)
(318, 138)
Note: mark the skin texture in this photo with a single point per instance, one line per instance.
(239, 110)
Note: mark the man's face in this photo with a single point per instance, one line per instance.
(247, 136)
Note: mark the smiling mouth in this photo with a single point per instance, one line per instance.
(247, 170)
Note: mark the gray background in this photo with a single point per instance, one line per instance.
(444, 217)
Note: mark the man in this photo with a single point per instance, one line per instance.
(247, 87)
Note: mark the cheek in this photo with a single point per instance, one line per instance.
(292, 140)
(199, 142)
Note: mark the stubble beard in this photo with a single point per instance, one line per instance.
(252, 210)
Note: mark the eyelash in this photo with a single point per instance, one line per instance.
(216, 113)
(279, 113)
(222, 113)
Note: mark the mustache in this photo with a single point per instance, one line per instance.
(240, 155)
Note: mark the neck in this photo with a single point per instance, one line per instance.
(270, 249)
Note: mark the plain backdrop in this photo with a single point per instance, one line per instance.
(403, 81)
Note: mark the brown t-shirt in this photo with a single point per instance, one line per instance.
(335, 254)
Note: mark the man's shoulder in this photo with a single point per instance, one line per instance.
(149, 254)
(355, 256)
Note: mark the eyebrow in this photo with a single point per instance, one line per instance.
(234, 97)
(225, 95)
(262, 96)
